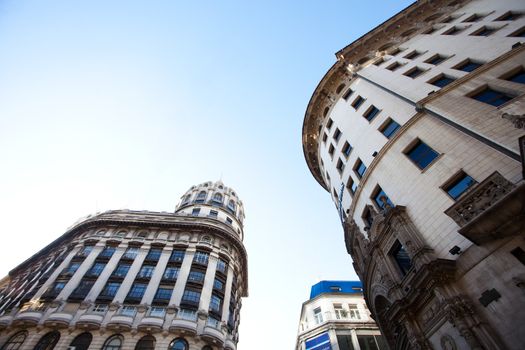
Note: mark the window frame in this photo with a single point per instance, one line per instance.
(386, 124)
(412, 146)
(453, 181)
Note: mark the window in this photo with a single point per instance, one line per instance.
(201, 197)
(337, 135)
(431, 30)
(492, 97)
(163, 294)
(187, 314)
(99, 308)
(436, 59)
(325, 136)
(16, 341)
(215, 303)
(81, 341)
(359, 168)
(146, 343)
(195, 211)
(389, 128)
(213, 213)
(340, 166)
(48, 341)
(171, 273)
(137, 291)
(213, 322)
(201, 258)
(217, 198)
(110, 290)
(517, 76)
(229, 221)
(454, 30)
(347, 94)
(146, 271)
(179, 344)
(413, 54)
(401, 258)
(474, 18)
(354, 312)
(72, 268)
(196, 276)
(414, 72)
(340, 313)
(128, 310)
(509, 16)
(113, 343)
(121, 270)
(331, 150)
(347, 149)
(421, 154)
(358, 102)
(367, 217)
(177, 256)
(467, 65)
(519, 254)
(371, 342)
(107, 252)
(520, 33)
(351, 185)
(218, 284)
(186, 199)
(82, 289)
(329, 123)
(441, 80)
(484, 31)
(222, 266)
(380, 198)
(318, 317)
(394, 66)
(231, 206)
(57, 287)
(370, 113)
(191, 296)
(459, 183)
(96, 269)
(131, 253)
(85, 251)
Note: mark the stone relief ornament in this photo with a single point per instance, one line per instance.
(448, 343)
(517, 120)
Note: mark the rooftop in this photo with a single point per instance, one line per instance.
(345, 287)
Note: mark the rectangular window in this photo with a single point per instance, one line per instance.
(191, 297)
(82, 290)
(213, 213)
(484, 31)
(177, 256)
(128, 310)
(509, 16)
(215, 303)
(347, 149)
(201, 258)
(337, 135)
(72, 268)
(394, 66)
(340, 166)
(154, 254)
(99, 308)
(340, 313)
(401, 258)
(413, 54)
(187, 314)
(516, 76)
(329, 123)
(436, 59)
(358, 102)
(137, 290)
(196, 211)
(474, 18)
(380, 198)
(354, 312)
(459, 183)
(347, 94)
(85, 251)
(519, 254)
(359, 168)
(222, 266)
(57, 287)
(121, 270)
(146, 271)
(196, 276)
(520, 33)
(441, 80)
(492, 97)
(431, 30)
(110, 290)
(389, 128)
(229, 221)
(218, 284)
(454, 30)
(414, 72)
(107, 252)
(371, 113)
(163, 294)
(318, 316)
(331, 150)
(157, 311)
(96, 269)
(131, 253)
(367, 217)
(421, 154)
(171, 273)
(468, 65)
(325, 137)
(351, 185)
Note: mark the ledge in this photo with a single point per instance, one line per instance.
(120, 323)
(183, 326)
(28, 318)
(59, 320)
(90, 321)
(213, 335)
(151, 324)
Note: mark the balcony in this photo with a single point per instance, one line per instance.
(490, 210)
(229, 344)
(184, 326)
(28, 318)
(120, 323)
(90, 321)
(151, 324)
(213, 335)
(58, 320)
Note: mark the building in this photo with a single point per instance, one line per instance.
(336, 318)
(127, 279)
(414, 132)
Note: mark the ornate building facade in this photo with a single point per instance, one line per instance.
(336, 318)
(127, 279)
(415, 132)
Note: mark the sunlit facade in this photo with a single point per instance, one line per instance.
(127, 279)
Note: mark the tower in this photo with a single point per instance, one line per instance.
(127, 279)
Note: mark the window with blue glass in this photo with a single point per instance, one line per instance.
(347, 149)
(321, 342)
(359, 168)
(517, 76)
(121, 270)
(436, 59)
(381, 199)
(371, 113)
(468, 66)
(131, 253)
(96, 269)
(337, 134)
(201, 258)
(358, 102)
(421, 154)
(163, 294)
(390, 128)
(137, 290)
(72, 268)
(146, 271)
(218, 284)
(110, 289)
(177, 255)
(458, 185)
(222, 266)
(442, 81)
(401, 258)
(351, 185)
(215, 303)
(171, 273)
(154, 254)
(196, 211)
(107, 252)
(196, 276)
(201, 197)
(492, 97)
(191, 296)
(347, 94)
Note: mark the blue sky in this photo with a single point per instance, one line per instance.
(126, 104)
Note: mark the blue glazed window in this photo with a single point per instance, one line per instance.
(347, 149)
(492, 97)
(442, 81)
(390, 128)
(468, 66)
(436, 59)
(360, 168)
(137, 290)
(121, 270)
(381, 196)
(351, 185)
(421, 154)
(459, 185)
(358, 102)
(401, 257)
(518, 77)
(371, 113)
(163, 294)
(110, 290)
(177, 256)
(414, 72)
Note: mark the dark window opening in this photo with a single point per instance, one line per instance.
(401, 257)
(492, 97)
(421, 154)
(390, 128)
(371, 113)
(459, 185)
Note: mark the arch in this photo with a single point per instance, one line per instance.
(142, 234)
(201, 196)
(178, 344)
(340, 88)
(101, 233)
(147, 342)
(121, 233)
(82, 341)
(48, 341)
(217, 197)
(15, 341)
(113, 343)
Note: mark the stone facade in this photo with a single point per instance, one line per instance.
(127, 279)
(414, 132)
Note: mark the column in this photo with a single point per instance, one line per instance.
(182, 278)
(333, 339)
(55, 273)
(130, 277)
(207, 288)
(227, 294)
(355, 342)
(157, 276)
(104, 276)
(86, 264)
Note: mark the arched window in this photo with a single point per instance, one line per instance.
(231, 205)
(48, 341)
(147, 342)
(178, 344)
(16, 341)
(186, 198)
(82, 341)
(217, 197)
(201, 197)
(113, 343)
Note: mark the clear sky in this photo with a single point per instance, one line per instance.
(126, 104)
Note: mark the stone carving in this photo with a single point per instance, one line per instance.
(517, 120)
(448, 343)
(481, 197)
